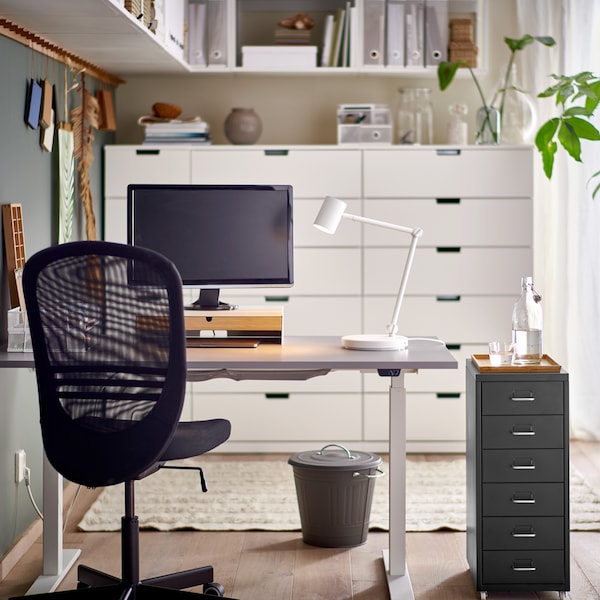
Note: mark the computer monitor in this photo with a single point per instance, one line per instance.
(218, 236)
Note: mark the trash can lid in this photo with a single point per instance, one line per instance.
(335, 456)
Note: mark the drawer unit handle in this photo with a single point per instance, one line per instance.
(277, 298)
(523, 565)
(520, 464)
(522, 396)
(518, 430)
(442, 395)
(448, 151)
(276, 152)
(447, 200)
(523, 532)
(448, 297)
(447, 249)
(453, 346)
(515, 568)
(523, 498)
(148, 152)
(277, 396)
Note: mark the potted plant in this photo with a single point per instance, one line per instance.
(489, 116)
(573, 123)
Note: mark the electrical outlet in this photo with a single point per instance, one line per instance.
(20, 465)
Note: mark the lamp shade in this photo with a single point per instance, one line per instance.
(330, 214)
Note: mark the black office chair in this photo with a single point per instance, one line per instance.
(108, 338)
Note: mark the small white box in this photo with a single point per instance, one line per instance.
(364, 124)
(279, 57)
(19, 338)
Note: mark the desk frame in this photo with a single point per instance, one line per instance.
(275, 361)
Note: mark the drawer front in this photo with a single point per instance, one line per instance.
(523, 500)
(115, 220)
(301, 417)
(513, 567)
(453, 221)
(455, 319)
(522, 465)
(129, 164)
(485, 271)
(536, 533)
(312, 173)
(428, 417)
(425, 173)
(527, 431)
(522, 397)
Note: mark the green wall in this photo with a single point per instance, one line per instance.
(28, 176)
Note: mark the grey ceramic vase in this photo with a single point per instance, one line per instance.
(243, 126)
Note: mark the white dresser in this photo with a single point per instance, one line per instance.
(475, 207)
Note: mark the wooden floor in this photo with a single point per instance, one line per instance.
(279, 566)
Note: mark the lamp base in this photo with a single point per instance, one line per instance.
(375, 342)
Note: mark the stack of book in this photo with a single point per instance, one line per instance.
(175, 131)
(286, 36)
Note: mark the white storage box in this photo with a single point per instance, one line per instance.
(364, 124)
(279, 57)
(19, 338)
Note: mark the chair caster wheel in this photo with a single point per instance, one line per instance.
(483, 595)
(213, 589)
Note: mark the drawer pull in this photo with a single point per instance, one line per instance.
(277, 298)
(447, 200)
(148, 152)
(448, 249)
(523, 498)
(523, 532)
(520, 464)
(276, 152)
(518, 430)
(442, 395)
(448, 151)
(453, 347)
(277, 396)
(522, 396)
(448, 298)
(523, 565)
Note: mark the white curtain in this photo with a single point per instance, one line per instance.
(566, 218)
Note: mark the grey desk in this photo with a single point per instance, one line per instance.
(298, 358)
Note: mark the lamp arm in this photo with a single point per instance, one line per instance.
(414, 231)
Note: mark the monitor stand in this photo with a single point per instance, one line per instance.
(209, 300)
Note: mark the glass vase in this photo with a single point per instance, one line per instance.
(518, 113)
(487, 125)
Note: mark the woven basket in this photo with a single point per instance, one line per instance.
(461, 30)
(466, 51)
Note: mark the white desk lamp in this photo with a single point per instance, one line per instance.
(331, 213)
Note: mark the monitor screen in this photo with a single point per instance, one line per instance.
(218, 236)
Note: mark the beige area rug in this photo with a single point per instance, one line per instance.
(257, 495)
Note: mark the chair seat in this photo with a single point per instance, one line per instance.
(196, 437)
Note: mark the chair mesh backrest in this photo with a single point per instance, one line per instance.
(108, 337)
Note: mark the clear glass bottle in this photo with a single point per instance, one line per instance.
(527, 324)
(487, 125)
(457, 126)
(519, 116)
(415, 116)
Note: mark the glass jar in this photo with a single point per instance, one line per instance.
(527, 325)
(518, 116)
(414, 118)
(457, 126)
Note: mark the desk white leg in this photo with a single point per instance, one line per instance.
(56, 561)
(399, 584)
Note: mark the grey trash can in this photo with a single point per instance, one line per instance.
(335, 492)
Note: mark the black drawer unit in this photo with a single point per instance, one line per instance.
(518, 479)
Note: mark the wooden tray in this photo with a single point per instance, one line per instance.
(548, 365)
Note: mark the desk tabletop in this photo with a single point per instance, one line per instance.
(298, 352)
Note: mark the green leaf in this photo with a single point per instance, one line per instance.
(577, 110)
(518, 44)
(583, 129)
(597, 188)
(564, 93)
(548, 158)
(545, 133)
(547, 40)
(447, 70)
(569, 141)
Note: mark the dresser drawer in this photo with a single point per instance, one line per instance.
(521, 397)
(535, 533)
(452, 221)
(526, 567)
(523, 499)
(522, 465)
(455, 319)
(285, 417)
(129, 164)
(468, 173)
(485, 271)
(526, 431)
(312, 173)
